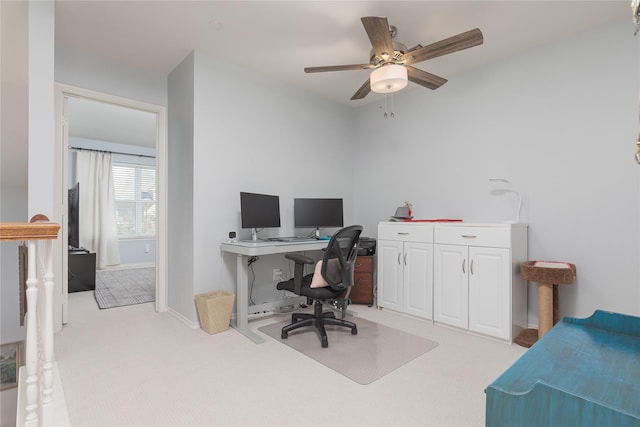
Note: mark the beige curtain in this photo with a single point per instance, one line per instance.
(98, 228)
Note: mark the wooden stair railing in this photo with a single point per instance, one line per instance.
(36, 400)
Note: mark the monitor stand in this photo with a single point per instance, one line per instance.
(317, 233)
(254, 235)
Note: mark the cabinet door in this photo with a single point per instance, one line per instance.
(489, 296)
(418, 279)
(450, 285)
(390, 274)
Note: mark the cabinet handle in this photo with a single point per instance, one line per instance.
(464, 263)
(399, 263)
(471, 267)
(468, 236)
(403, 233)
(405, 259)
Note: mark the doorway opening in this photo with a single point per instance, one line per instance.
(132, 135)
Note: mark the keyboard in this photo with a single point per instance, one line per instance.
(294, 239)
(302, 240)
(250, 242)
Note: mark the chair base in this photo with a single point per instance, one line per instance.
(319, 319)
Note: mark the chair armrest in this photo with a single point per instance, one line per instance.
(299, 258)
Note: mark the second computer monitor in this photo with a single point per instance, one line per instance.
(259, 211)
(317, 213)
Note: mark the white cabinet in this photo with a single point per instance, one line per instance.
(489, 293)
(472, 286)
(476, 281)
(390, 274)
(451, 302)
(405, 268)
(418, 279)
(464, 275)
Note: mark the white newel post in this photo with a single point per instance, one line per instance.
(40, 396)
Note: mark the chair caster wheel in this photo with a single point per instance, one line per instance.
(354, 331)
(284, 335)
(325, 343)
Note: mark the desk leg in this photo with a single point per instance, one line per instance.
(242, 301)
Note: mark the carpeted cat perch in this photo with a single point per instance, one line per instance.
(548, 275)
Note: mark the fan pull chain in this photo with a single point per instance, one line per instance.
(385, 106)
(390, 114)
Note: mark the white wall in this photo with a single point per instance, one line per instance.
(14, 174)
(41, 121)
(258, 135)
(13, 169)
(137, 252)
(180, 207)
(88, 71)
(558, 122)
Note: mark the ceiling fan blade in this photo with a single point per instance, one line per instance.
(443, 47)
(338, 68)
(362, 92)
(377, 29)
(425, 79)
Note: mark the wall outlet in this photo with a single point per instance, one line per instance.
(277, 275)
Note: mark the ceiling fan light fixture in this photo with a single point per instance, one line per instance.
(388, 78)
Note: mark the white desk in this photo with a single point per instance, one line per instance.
(243, 251)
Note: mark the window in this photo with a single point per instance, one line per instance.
(135, 195)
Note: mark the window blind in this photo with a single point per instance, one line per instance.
(135, 196)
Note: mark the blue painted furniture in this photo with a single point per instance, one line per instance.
(583, 372)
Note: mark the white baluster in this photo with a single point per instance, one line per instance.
(31, 352)
(38, 379)
(47, 331)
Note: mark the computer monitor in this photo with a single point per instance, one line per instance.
(259, 211)
(317, 213)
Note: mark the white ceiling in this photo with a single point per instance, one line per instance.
(280, 38)
(108, 122)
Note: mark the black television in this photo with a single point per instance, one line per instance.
(317, 213)
(259, 211)
(74, 216)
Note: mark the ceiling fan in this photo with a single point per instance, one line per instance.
(392, 61)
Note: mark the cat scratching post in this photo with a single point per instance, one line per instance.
(548, 275)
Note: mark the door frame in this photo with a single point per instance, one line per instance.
(62, 93)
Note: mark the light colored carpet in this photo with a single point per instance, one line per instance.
(117, 288)
(371, 354)
(134, 367)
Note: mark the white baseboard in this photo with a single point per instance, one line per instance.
(194, 325)
(127, 266)
(181, 318)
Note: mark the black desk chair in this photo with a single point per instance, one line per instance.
(333, 276)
